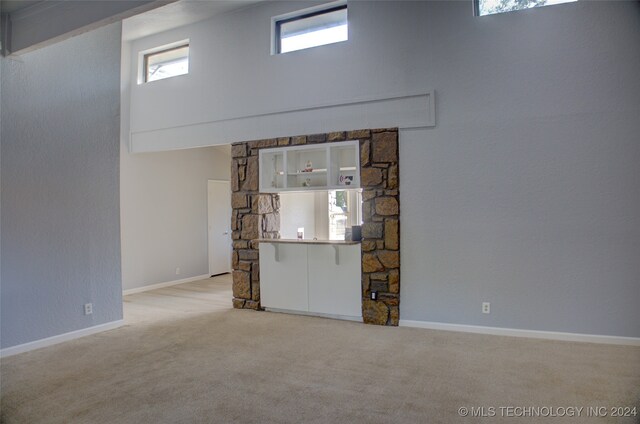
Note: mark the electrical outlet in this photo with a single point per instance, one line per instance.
(178, 271)
(486, 307)
(88, 308)
(374, 295)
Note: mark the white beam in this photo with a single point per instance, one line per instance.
(48, 22)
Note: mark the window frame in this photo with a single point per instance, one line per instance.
(277, 21)
(476, 8)
(143, 61)
(353, 214)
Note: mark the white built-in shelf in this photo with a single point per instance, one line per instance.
(334, 166)
(315, 171)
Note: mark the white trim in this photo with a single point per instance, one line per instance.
(50, 341)
(308, 10)
(514, 332)
(402, 110)
(294, 14)
(227, 219)
(165, 284)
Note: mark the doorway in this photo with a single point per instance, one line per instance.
(219, 224)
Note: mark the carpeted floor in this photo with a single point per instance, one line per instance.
(185, 357)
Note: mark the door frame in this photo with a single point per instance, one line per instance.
(209, 226)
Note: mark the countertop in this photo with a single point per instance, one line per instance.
(308, 241)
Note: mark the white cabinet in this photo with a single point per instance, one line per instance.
(320, 279)
(283, 276)
(334, 281)
(307, 168)
(310, 167)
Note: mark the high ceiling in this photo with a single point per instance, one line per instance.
(37, 23)
(178, 14)
(10, 6)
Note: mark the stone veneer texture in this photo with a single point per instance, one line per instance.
(257, 215)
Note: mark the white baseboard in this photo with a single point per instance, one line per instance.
(514, 332)
(165, 284)
(50, 341)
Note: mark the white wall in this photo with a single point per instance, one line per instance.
(163, 199)
(297, 210)
(164, 212)
(307, 210)
(235, 85)
(525, 192)
(60, 207)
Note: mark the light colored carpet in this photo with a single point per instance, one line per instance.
(185, 357)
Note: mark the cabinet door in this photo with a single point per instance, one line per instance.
(283, 276)
(345, 165)
(272, 170)
(334, 288)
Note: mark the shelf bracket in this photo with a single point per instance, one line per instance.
(337, 257)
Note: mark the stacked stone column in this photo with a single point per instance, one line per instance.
(254, 216)
(379, 178)
(257, 215)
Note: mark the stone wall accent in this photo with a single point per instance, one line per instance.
(257, 215)
(254, 215)
(381, 226)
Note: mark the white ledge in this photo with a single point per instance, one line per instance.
(404, 111)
